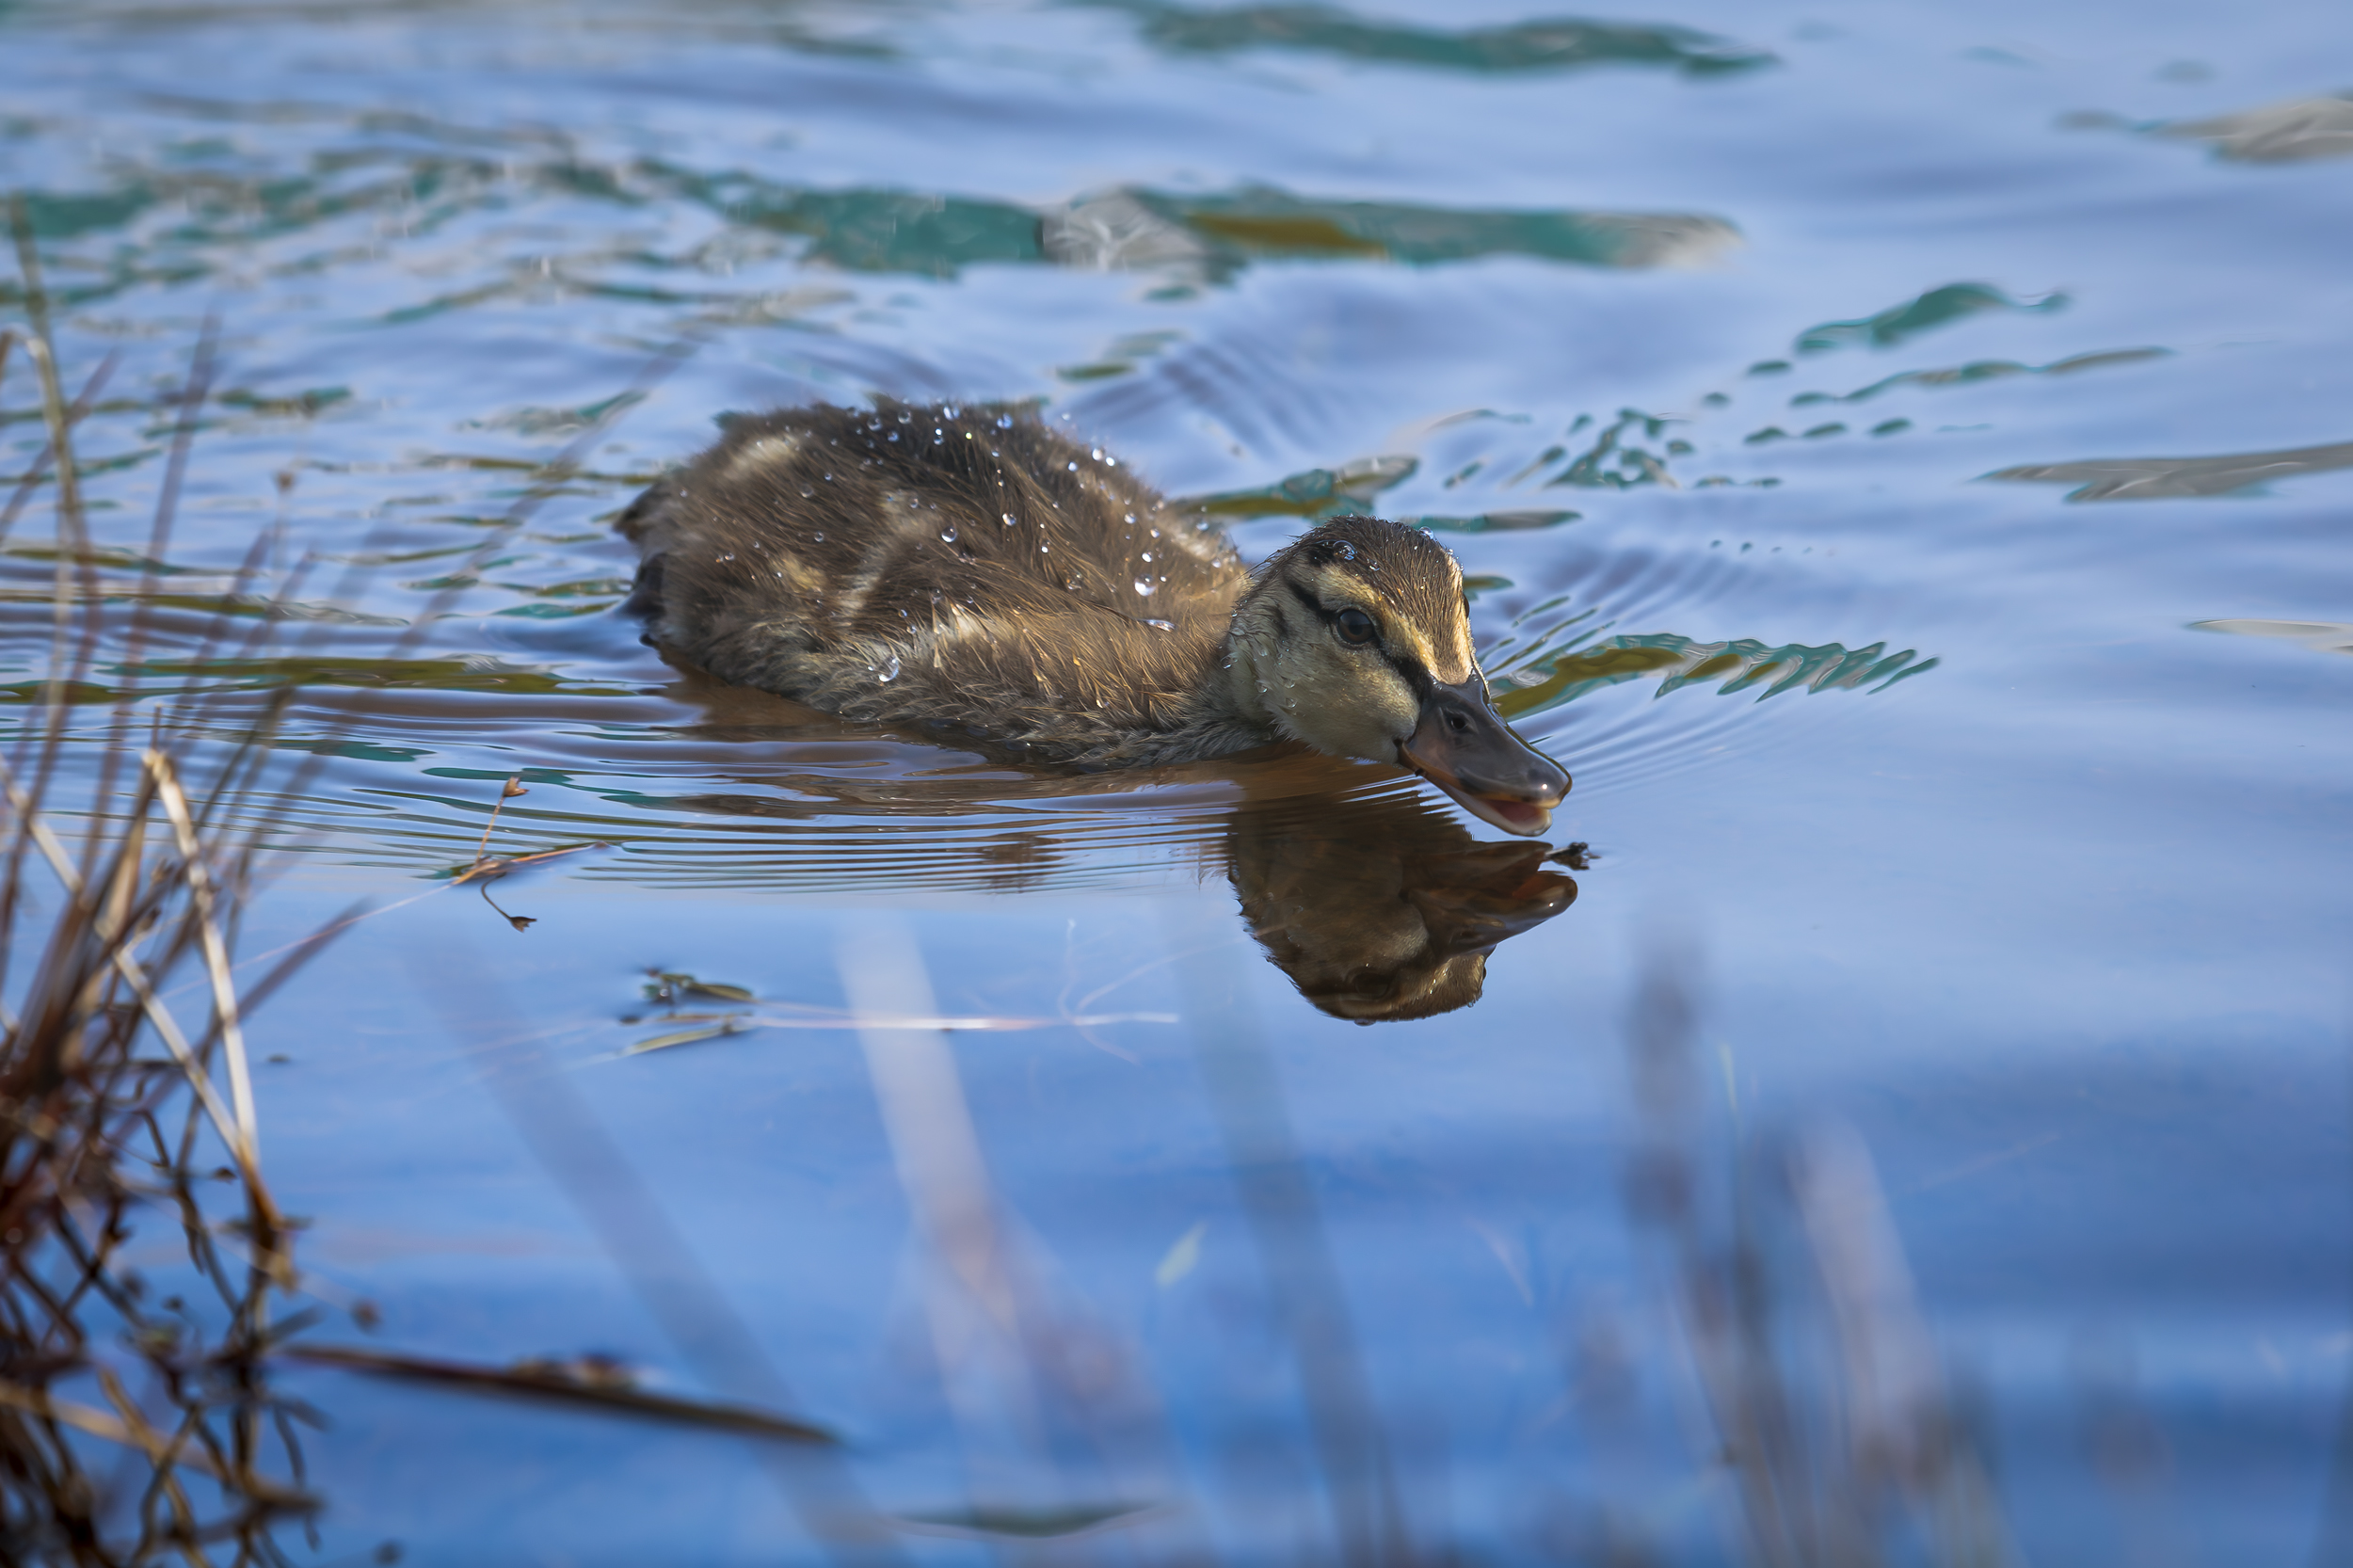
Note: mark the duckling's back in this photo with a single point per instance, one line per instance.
(968, 568)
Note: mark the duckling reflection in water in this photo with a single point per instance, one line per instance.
(1382, 909)
(973, 570)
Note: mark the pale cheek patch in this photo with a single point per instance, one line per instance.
(1400, 710)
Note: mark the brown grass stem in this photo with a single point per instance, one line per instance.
(513, 786)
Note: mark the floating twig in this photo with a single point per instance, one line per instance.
(548, 1380)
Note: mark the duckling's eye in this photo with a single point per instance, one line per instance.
(1354, 626)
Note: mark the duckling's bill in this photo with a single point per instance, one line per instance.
(1466, 750)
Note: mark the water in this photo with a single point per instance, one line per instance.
(1810, 394)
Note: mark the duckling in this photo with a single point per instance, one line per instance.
(972, 568)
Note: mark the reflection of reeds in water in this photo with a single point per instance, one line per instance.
(1841, 1444)
(136, 1420)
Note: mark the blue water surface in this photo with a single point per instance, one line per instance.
(1903, 457)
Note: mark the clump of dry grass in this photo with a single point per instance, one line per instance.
(138, 1417)
(138, 1421)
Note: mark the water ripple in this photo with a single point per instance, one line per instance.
(2163, 478)
(1549, 44)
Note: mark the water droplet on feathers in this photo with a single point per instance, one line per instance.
(817, 538)
(1144, 585)
(889, 669)
(1171, 626)
(948, 535)
(1074, 582)
(1146, 555)
(1004, 422)
(1008, 517)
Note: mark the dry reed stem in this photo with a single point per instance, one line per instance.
(81, 406)
(175, 805)
(1827, 1469)
(513, 786)
(620, 1399)
(133, 974)
(132, 1431)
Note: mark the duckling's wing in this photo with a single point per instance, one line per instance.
(967, 567)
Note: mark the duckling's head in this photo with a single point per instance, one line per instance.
(1355, 639)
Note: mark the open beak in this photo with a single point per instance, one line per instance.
(1463, 747)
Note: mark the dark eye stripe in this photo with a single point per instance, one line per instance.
(1419, 680)
(1333, 616)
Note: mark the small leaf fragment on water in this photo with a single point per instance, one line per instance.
(514, 786)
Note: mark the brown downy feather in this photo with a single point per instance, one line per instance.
(965, 567)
